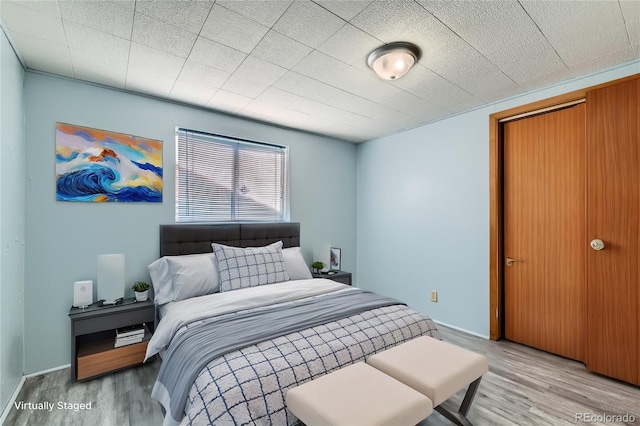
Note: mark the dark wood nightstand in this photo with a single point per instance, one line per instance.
(340, 276)
(93, 337)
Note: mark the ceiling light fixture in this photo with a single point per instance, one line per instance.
(393, 60)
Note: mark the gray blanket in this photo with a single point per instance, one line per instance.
(197, 346)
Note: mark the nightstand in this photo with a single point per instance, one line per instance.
(340, 276)
(93, 335)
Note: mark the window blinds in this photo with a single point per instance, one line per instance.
(222, 179)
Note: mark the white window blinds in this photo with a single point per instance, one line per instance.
(222, 179)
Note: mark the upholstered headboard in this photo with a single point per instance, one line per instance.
(190, 239)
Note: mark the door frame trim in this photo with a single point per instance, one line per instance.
(496, 220)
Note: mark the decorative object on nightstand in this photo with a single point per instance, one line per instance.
(335, 262)
(82, 294)
(141, 289)
(339, 276)
(317, 266)
(111, 278)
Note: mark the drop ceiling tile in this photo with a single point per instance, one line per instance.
(44, 55)
(634, 31)
(607, 60)
(319, 66)
(230, 100)
(547, 79)
(196, 73)
(216, 55)
(232, 29)
(579, 33)
(503, 33)
(264, 12)
(188, 15)
(414, 106)
(315, 109)
(259, 71)
(244, 87)
(264, 108)
(191, 93)
(280, 50)
(630, 10)
(356, 104)
(91, 40)
(278, 97)
(308, 23)
(501, 94)
(364, 84)
(101, 67)
(446, 54)
(387, 20)
(433, 88)
(35, 23)
(466, 105)
(346, 9)
(113, 17)
(349, 44)
(151, 70)
(46, 7)
(168, 38)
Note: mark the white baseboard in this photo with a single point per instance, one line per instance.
(51, 370)
(7, 409)
(461, 329)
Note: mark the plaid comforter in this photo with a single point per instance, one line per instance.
(248, 386)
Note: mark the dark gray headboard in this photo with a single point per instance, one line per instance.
(190, 239)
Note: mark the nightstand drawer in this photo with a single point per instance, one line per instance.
(95, 359)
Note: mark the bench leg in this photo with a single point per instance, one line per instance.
(460, 418)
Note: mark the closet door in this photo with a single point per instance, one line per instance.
(544, 223)
(613, 216)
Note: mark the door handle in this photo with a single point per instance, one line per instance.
(510, 261)
(597, 244)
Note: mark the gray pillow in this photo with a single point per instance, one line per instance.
(249, 267)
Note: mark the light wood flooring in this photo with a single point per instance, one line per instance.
(524, 386)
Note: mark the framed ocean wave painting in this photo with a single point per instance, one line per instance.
(100, 166)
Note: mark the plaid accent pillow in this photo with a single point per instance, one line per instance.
(249, 267)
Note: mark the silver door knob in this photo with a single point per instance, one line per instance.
(510, 261)
(597, 244)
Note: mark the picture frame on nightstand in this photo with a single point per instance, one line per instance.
(335, 259)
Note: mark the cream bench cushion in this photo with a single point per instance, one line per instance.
(437, 370)
(357, 395)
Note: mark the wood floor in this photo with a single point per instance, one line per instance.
(524, 386)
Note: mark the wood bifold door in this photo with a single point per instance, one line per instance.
(572, 176)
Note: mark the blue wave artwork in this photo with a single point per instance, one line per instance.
(100, 166)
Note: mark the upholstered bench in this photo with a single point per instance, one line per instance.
(435, 369)
(357, 395)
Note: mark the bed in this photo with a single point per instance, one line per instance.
(230, 353)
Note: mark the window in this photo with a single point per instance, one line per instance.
(223, 179)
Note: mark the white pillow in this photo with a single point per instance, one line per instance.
(182, 277)
(249, 267)
(295, 265)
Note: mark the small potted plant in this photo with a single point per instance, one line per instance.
(317, 266)
(141, 289)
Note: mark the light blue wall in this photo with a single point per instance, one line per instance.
(12, 226)
(423, 211)
(63, 239)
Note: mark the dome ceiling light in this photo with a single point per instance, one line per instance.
(393, 60)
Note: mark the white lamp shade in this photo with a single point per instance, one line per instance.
(393, 65)
(110, 277)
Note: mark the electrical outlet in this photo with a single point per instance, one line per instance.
(434, 296)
